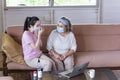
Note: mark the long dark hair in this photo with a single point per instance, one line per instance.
(68, 26)
(30, 21)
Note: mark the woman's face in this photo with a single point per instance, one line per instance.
(37, 23)
(33, 28)
(59, 24)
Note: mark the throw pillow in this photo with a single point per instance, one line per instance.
(12, 49)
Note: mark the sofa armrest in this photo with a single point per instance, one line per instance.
(4, 59)
(1, 61)
(5, 73)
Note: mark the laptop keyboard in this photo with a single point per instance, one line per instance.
(68, 74)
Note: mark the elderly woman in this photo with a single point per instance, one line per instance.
(62, 45)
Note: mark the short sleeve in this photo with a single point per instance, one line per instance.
(73, 42)
(50, 40)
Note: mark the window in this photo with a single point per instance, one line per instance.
(19, 3)
(15, 3)
(74, 2)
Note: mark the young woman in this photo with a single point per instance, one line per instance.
(62, 45)
(31, 43)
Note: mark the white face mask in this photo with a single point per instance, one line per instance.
(60, 30)
(36, 28)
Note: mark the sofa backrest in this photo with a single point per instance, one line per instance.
(89, 37)
(97, 37)
(17, 31)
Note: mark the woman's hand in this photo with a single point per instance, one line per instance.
(69, 53)
(57, 56)
(40, 31)
(63, 57)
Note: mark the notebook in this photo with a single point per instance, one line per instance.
(75, 71)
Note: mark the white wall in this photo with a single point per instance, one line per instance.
(108, 12)
(17, 17)
(1, 20)
(50, 16)
(111, 11)
(78, 15)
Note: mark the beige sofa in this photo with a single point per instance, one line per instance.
(98, 44)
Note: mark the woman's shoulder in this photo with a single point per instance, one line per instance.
(54, 31)
(71, 33)
(53, 34)
(26, 33)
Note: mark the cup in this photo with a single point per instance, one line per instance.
(91, 73)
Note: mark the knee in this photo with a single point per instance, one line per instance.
(69, 65)
(49, 64)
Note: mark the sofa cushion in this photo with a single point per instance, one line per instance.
(16, 66)
(12, 49)
(98, 58)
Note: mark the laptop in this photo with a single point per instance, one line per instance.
(75, 71)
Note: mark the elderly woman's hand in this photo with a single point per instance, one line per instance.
(63, 57)
(58, 56)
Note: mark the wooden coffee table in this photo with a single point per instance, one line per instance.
(100, 74)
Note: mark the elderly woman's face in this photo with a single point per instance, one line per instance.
(59, 24)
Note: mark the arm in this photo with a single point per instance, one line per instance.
(56, 55)
(70, 52)
(50, 48)
(38, 43)
(50, 41)
(73, 47)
